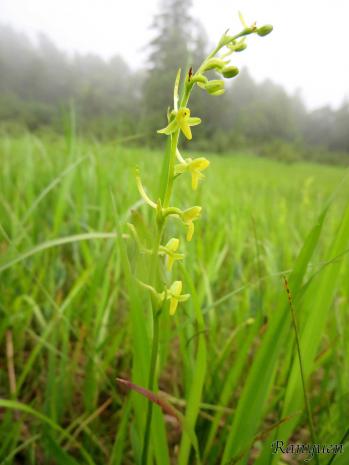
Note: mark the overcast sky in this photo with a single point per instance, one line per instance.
(308, 50)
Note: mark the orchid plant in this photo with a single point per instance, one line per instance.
(165, 292)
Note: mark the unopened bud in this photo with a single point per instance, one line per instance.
(214, 86)
(214, 63)
(218, 92)
(230, 71)
(240, 47)
(200, 78)
(264, 30)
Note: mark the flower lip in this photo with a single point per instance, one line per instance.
(188, 217)
(175, 296)
(170, 250)
(193, 166)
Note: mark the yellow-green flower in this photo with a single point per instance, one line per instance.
(188, 217)
(170, 250)
(175, 296)
(194, 167)
(182, 121)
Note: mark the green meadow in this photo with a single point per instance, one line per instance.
(74, 319)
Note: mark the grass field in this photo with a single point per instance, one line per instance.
(72, 321)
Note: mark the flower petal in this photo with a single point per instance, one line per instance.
(195, 176)
(194, 121)
(170, 128)
(173, 244)
(180, 168)
(183, 297)
(191, 214)
(169, 262)
(186, 129)
(176, 288)
(190, 231)
(199, 164)
(173, 305)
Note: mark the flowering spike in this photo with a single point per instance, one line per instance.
(179, 119)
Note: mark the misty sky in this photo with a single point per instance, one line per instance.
(308, 50)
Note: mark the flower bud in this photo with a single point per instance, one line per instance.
(200, 78)
(240, 47)
(214, 86)
(217, 93)
(230, 71)
(225, 40)
(214, 63)
(264, 30)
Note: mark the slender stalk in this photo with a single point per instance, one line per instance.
(306, 397)
(168, 191)
(155, 345)
(151, 383)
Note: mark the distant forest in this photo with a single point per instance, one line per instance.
(39, 83)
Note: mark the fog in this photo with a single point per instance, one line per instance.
(307, 51)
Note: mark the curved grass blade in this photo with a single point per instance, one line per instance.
(56, 243)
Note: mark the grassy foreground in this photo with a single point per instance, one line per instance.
(71, 322)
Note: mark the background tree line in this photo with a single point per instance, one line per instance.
(38, 82)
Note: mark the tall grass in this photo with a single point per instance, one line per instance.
(228, 361)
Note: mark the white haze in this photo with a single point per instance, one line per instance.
(306, 53)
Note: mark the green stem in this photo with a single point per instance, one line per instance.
(151, 384)
(168, 191)
(155, 342)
